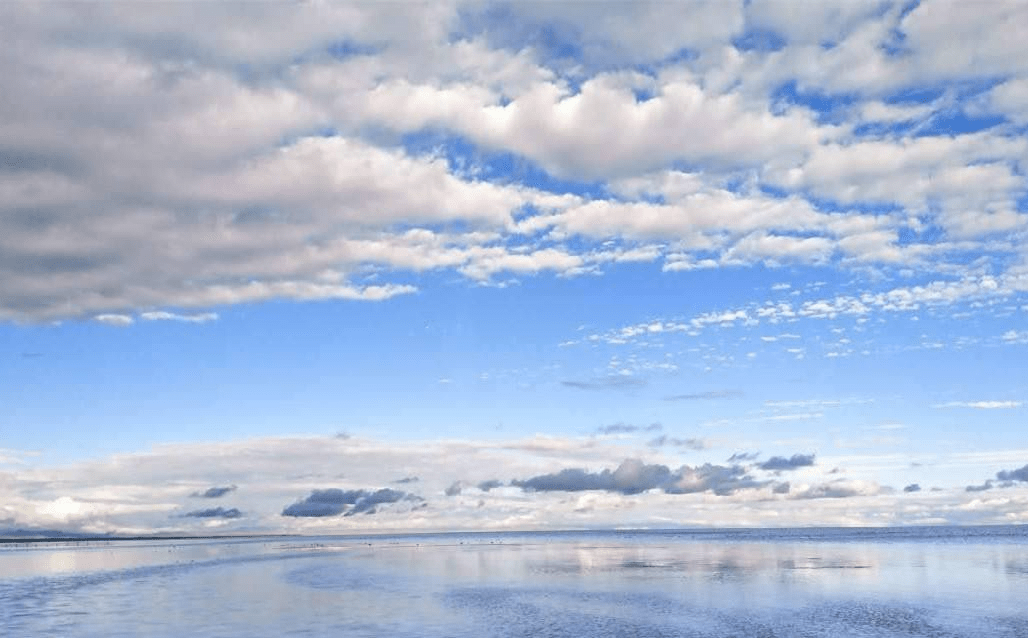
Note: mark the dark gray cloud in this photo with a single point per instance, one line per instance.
(491, 484)
(611, 382)
(214, 492)
(742, 457)
(1004, 478)
(782, 488)
(627, 428)
(633, 476)
(913, 487)
(454, 489)
(406, 480)
(1020, 474)
(782, 464)
(333, 502)
(215, 512)
(690, 443)
(705, 396)
(987, 485)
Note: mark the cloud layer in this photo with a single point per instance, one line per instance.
(583, 482)
(151, 173)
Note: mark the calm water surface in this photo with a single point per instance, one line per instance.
(933, 582)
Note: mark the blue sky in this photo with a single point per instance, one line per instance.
(566, 264)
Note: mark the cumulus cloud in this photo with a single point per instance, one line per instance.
(215, 512)
(313, 176)
(214, 492)
(334, 501)
(913, 487)
(783, 464)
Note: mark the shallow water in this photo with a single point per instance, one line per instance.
(937, 582)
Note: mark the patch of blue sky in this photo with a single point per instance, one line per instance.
(475, 162)
(830, 205)
(895, 45)
(828, 108)
(338, 50)
(257, 73)
(556, 45)
(926, 234)
(682, 57)
(915, 95)
(759, 40)
(956, 122)
(876, 130)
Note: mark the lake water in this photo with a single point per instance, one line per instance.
(932, 582)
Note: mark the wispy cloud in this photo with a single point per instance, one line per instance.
(215, 512)
(980, 405)
(692, 443)
(611, 382)
(705, 396)
(628, 428)
(160, 315)
(215, 492)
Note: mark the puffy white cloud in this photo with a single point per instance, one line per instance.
(115, 319)
(1011, 99)
(147, 164)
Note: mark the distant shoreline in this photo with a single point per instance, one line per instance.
(93, 539)
(735, 532)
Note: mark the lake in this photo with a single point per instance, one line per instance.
(933, 582)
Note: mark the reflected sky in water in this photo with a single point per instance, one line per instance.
(942, 582)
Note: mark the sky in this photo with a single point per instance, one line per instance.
(327, 268)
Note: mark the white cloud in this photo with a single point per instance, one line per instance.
(906, 299)
(114, 319)
(1015, 337)
(1011, 99)
(981, 405)
(146, 492)
(286, 181)
(161, 315)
